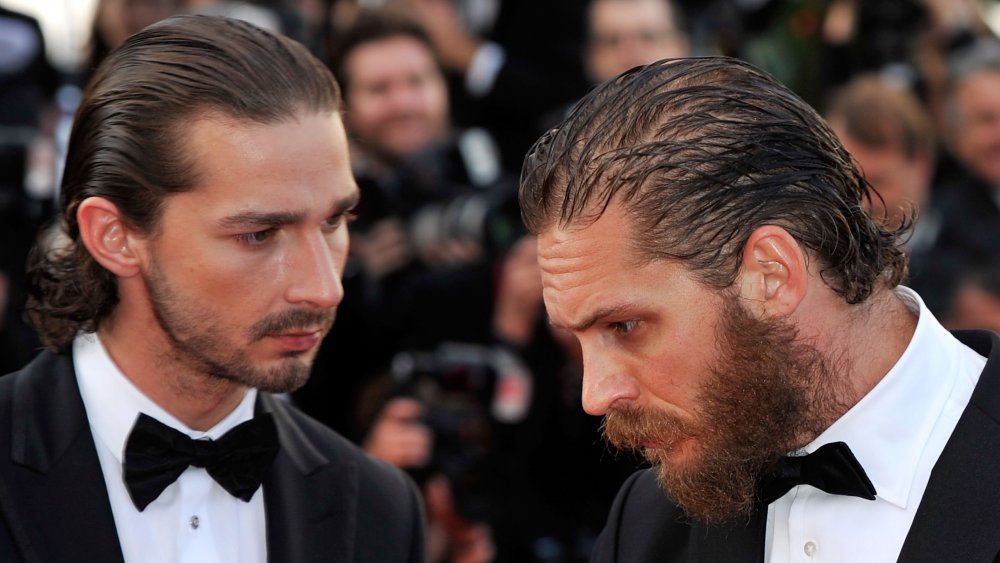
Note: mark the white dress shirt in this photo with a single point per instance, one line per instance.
(194, 519)
(897, 432)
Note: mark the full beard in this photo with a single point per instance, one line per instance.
(199, 343)
(767, 396)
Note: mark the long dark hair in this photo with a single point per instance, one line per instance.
(127, 142)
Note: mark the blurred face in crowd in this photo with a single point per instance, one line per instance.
(629, 33)
(118, 19)
(242, 273)
(976, 124)
(903, 182)
(396, 98)
(974, 306)
(681, 371)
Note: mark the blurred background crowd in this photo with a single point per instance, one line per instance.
(441, 360)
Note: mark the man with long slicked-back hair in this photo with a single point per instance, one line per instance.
(195, 270)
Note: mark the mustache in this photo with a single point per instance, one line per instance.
(637, 428)
(291, 320)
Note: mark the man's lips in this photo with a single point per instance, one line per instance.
(298, 340)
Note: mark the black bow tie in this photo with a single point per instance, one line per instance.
(832, 469)
(156, 455)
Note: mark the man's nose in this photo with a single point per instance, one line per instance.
(406, 98)
(316, 277)
(604, 383)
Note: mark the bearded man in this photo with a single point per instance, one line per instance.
(204, 232)
(704, 235)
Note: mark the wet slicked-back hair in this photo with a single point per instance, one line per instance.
(700, 153)
(128, 136)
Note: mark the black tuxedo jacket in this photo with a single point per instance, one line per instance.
(958, 518)
(325, 500)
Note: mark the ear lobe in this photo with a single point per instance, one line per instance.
(106, 236)
(774, 273)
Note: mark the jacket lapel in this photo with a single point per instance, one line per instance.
(966, 529)
(311, 500)
(55, 484)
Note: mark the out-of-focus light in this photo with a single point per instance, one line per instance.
(65, 24)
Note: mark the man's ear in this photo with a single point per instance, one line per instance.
(774, 274)
(107, 237)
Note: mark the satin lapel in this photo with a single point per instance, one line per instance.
(311, 500)
(55, 484)
(736, 542)
(957, 517)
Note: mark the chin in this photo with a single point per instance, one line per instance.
(681, 454)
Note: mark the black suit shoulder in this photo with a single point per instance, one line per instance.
(53, 503)
(380, 482)
(385, 506)
(644, 525)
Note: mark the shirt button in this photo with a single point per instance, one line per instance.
(809, 548)
(194, 522)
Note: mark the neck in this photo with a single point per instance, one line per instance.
(861, 344)
(199, 400)
(878, 334)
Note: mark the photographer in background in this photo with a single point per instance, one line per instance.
(622, 34)
(435, 216)
(434, 211)
(890, 134)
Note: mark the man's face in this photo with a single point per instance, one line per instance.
(629, 33)
(118, 19)
(396, 99)
(903, 182)
(682, 372)
(976, 137)
(243, 271)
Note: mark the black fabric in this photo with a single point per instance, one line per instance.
(832, 469)
(156, 455)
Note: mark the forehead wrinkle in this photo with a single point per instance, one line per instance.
(561, 265)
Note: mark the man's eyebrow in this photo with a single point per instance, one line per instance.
(600, 313)
(349, 201)
(251, 218)
(261, 218)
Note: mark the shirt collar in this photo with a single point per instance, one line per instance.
(889, 427)
(113, 402)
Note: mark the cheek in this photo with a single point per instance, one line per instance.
(217, 274)
(437, 102)
(679, 363)
(982, 136)
(670, 382)
(232, 282)
(362, 115)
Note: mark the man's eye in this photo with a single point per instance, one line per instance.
(334, 221)
(256, 238)
(623, 327)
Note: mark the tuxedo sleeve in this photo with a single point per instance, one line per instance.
(391, 507)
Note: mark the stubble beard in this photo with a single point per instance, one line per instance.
(767, 396)
(199, 343)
